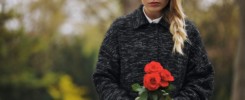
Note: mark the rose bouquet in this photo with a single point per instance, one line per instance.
(156, 84)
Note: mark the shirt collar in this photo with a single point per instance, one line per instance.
(140, 19)
(157, 20)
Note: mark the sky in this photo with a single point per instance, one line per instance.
(206, 3)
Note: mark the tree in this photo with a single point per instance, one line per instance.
(239, 68)
(33, 61)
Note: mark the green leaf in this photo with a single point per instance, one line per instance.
(155, 96)
(142, 90)
(136, 87)
(165, 94)
(167, 98)
(143, 96)
(170, 87)
(163, 91)
(137, 98)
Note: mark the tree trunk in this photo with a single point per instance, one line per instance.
(129, 5)
(238, 92)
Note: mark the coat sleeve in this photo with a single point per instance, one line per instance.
(107, 73)
(199, 78)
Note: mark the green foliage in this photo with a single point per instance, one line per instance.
(144, 94)
(136, 87)
(219, 28)
(67, 90)
(31, 62)
(19, 76)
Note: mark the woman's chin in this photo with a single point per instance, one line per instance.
(155, 9)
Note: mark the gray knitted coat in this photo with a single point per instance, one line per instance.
(131, 42)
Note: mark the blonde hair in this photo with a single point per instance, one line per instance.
(176, 18)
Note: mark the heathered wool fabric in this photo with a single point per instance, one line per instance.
(131, 42)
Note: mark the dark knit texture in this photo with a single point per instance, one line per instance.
(131, 42)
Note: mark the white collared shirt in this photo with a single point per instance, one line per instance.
(150, 20)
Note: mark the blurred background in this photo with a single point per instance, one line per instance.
(49, 48)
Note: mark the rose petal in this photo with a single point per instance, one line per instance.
(151, 81)
(152, 67)
(164, 83)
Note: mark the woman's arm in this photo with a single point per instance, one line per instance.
(199, 79)
(107, 74)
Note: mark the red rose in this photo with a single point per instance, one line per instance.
(166, 75)
(152, 67)
(164, 83)
(152, 81)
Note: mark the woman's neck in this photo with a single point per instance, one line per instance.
(152, 15)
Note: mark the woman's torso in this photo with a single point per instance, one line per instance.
(141, 42)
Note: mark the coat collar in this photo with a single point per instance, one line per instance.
(140, 19)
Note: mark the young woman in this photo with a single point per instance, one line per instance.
(159, 31)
